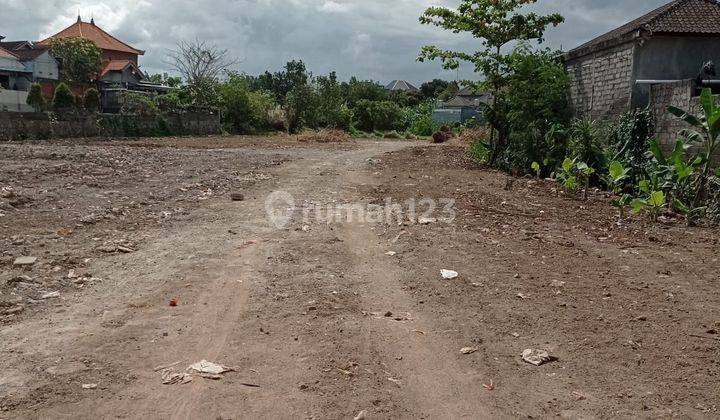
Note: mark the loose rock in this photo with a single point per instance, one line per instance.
(25, 261)
(537, 357)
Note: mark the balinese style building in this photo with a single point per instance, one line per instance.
(120, 70)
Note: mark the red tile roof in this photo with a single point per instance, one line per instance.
(6, 54)
(687, 17)
(117, 65)
(90, 31)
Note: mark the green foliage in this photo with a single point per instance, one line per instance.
(573, 174)
(302, 108)
(629, 142)
(535, 109)
(35, 98)
(479, 151)
(243, 111)
(138, 103)
(378, 115)
(617, 176)
(332, 111)
(91, 100)
(203, 94)
(494, 23)
(419, 120)
(434, 88)
(536, 168)
(63, 98)
(367, 90)
(704, 133)
(176, 100)
(585, 144)
(165, 80)
(283, 82)
(80, 58)
(653, 204)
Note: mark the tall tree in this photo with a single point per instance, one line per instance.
(79, 59)
(201, 64)
(495, 23)
(199, 61)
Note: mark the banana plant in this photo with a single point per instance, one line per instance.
(617, 176)
(585, 172)
(653, 204)
(705, 132)
(566, 176)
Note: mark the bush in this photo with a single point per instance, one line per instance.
(586, 144)
(419, 119)
(302, 108)
(91, 100)
(243, 111)
(630, 141)
(378, 115)
(63, 99)
(137, 103)
(534, 105)
(176, 100)
(35, 98)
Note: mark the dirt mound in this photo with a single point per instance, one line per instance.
(326, 135)
(471, 135)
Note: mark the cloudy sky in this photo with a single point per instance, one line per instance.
(376, 39)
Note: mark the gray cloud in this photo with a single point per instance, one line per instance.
(376, 39)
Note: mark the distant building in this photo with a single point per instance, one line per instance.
(13, 76)
(466, 105)
(38, 61)
(120, 70)
(615, 71)
(401, 86)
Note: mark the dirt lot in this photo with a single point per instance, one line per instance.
(327, 320)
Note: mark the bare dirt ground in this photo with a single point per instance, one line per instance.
(327, 320)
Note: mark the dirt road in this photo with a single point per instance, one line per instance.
(327, 320)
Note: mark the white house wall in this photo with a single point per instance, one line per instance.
(44, 67)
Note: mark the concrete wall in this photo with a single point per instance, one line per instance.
(671, 58)
(14, 101)
(601, 83)
(678, 94)
(21, 126)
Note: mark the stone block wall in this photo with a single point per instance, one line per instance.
(678, 94)
(601, 83)
(21, 126)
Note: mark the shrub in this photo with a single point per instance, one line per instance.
(243, 111)
(302, 108)
(63, 99)
(586, 144)
(91, 100)
(378, 115)
(534, 108)
(419, 119)
(35, 98)
(137, 103)
(630, 141)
